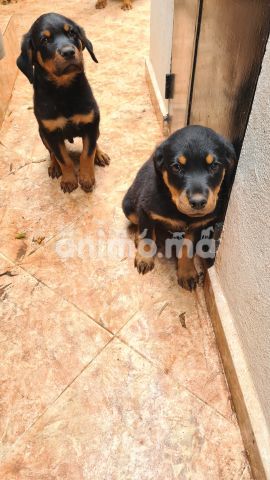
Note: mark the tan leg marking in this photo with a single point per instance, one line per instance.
(101, 158)
(69, 180)
(127, 5)
(188, 277)
(54, 170)
(133, 218)
(101, 3)
(87, 171)
(143, 262)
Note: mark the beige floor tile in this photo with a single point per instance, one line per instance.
(154, 405)
(45, 343)
(123, 419)
(179, 339)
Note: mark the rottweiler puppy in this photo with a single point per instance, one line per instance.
(127, 4)
(184, 187)
(52, 60)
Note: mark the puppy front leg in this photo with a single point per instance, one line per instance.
(54, 169)
(101, 3)
(87, 163)
(188, 277)
(58, 151)
(127, 5)
(146, 246)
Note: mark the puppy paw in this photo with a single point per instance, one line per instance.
(190, 279)
(144, 264)
(87, 184)
(127, 6)
(101, 3)
(102, 159)
(54, 171)
(69, 186)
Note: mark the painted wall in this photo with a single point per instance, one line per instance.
(243, 262)
(161, 28)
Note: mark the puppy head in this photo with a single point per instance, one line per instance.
(55, 43)
(195, 162)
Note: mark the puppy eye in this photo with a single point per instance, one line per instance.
(214, 167)
(44, 40)
(177, 168)
(72, 33)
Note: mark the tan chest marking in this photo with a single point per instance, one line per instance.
(169, 222)
(61, 122)
(180, 225)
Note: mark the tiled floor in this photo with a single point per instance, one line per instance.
(101, 379)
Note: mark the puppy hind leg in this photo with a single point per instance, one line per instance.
(128, 209)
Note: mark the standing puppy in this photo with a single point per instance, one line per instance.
(52, 60)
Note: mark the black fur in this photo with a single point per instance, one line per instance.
(149, 194)
(61, 89)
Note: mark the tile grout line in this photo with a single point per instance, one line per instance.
(20, 438)
(66, 300)
(179, 383)
(116, 335)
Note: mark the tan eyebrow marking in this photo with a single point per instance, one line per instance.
(182, 160)
(66, 27)
(209, 159)
(46, 33)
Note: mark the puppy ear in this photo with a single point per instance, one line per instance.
(230, 165)
(158, 158)
(25, 60)
(87, 44)
(230, 155)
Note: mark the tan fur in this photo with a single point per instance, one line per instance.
(46, 33)
(133, 218)
(55, 123)
(67, 167)
(174, 192)
(182, 160)
(61, 122)
(127, 4)
(51, 65)
(213, 195)
(181, 201)
(169, 222)
(83, 118)
(209, 159)
(87, 162)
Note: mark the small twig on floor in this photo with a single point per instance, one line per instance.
(163, 308)
(8, 273)
(182, 318)
(2, 289)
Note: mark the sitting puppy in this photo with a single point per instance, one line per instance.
(127, 4)
(52, 59)
(183, 187)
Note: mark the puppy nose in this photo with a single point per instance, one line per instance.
(198, 202)
(67, 52)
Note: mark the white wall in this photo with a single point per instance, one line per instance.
(243, 263)
(161, 28)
